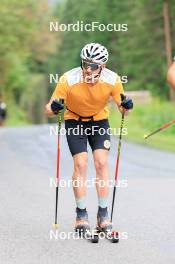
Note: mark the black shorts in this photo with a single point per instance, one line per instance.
(78, 133)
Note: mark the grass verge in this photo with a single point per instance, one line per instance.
(146, 118)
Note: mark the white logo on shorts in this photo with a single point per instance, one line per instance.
(107, 144)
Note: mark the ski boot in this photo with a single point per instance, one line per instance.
(104, 225)
(82, 223)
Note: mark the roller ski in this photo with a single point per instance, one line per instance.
(104, 226)
(82, 227)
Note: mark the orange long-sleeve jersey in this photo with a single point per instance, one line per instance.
(84, 99)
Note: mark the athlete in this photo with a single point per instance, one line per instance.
(171, 75)
(86, 91)
(3, 112)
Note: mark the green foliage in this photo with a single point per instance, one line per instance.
(29, 52)
(25, 47)
(15, 30)
(138, 53)
(15, 117)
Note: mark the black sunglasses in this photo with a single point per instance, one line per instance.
(93, 66)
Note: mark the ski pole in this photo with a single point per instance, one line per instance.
(55, 225)
(160, 129)
(117, 164)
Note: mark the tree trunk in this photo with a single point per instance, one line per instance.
(168, 41)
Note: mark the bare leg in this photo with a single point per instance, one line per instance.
(79, 187)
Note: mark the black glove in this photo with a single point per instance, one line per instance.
(127, 102)
(57, 106)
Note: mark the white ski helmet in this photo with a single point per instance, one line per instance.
(94, 52)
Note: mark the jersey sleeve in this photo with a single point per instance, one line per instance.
(116, 91)
(61, 89)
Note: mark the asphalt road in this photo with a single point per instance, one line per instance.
(144, 212)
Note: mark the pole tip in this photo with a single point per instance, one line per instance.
(145, 136)
(55, 226)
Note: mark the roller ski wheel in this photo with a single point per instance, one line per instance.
(111, 235)
(91, 236)
(94, 236)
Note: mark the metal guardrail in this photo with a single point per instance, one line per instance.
(140, 96)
